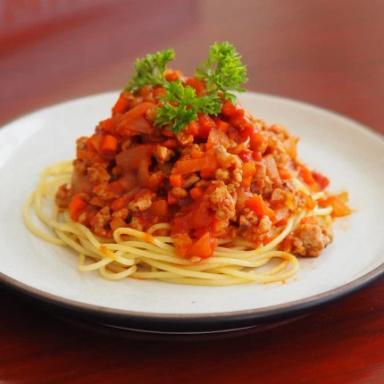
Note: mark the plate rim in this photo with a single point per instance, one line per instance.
(215, 319)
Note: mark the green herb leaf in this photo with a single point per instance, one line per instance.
(149, 70)
(181, 106)
(223, 71)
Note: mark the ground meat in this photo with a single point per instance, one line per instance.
(81, 143)
(120, 214)
(310, 239)
(193, 179)
(179, 192)
(222, 202)
(104, 192)
(80, 167)
(184, 138)
(265, 224)
(163, 154)
(254, 229)
(248, 219)
(63, 196)
(141, 202)
(97, 174)
(227, 160)
(261, 183)
(100, 222)
(222, 174)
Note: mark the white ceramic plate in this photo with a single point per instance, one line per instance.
(351, 155)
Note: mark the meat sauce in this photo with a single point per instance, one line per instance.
(221, 177)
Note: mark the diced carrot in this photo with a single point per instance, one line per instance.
(259, 207)
(284, 173)
(255, 140)
(196, 152)
(108, 145)
(176, 180)
(339, 203)
(203, 247)
(197, 84)
(107, 126)
(76, 206)
(196, 193)
(322, 181)
(249, 169)
(172, 75)
(122, 104)
(306, 175)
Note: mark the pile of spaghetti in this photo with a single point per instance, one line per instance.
(181, 184)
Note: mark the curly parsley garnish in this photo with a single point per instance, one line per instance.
(182, 105)
(223, 71)
(222, 74)
(149, 70)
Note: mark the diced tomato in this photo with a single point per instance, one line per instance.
(222, 125)
(134, 122)
(184, 166)
(131, 158)
(228, 109)
(122, 104)
(205, 125)
(182, 243)
(203, 247)
(76, 206)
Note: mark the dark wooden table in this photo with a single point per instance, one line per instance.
(325, 52)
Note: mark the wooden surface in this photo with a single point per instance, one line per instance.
(328, 53)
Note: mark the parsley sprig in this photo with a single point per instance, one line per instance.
(181, 106)
(149, 70)
(222, 73)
